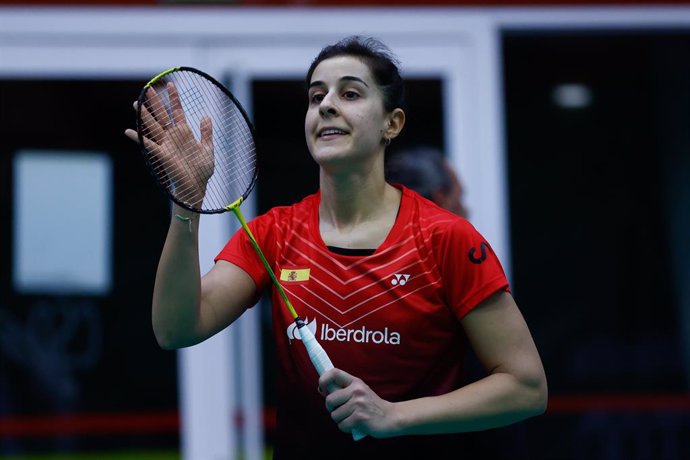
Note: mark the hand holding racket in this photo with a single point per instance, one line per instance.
(213, 174)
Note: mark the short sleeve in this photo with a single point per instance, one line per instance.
(240, 251)
(470, 269)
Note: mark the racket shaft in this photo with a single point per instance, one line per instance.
(321, 361)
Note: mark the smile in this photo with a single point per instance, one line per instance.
(331, 132)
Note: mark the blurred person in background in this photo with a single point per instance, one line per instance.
(426, 170)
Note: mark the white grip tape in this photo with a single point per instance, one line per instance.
(317, 354)
(320, 360)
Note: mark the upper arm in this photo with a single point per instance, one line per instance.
(502, 341)
(226, 292)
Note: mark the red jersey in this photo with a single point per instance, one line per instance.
(390, 318)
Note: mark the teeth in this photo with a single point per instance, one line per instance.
(327, 132)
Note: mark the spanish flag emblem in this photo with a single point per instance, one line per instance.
(294, 274)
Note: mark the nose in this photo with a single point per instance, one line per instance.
(328, 106)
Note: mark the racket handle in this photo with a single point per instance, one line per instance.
(320, 360)
(317, 354)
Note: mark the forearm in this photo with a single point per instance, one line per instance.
(177, 289)
(497, 400)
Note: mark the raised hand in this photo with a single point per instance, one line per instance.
(183, 164)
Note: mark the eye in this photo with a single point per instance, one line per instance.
(350, 94)
(316, 97)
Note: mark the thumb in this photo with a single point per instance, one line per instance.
(334, 379)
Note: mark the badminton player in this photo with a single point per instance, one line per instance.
(394, 288)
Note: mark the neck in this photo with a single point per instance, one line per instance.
(357, 210)
(351, 198)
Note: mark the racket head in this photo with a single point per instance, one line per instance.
(197, 140)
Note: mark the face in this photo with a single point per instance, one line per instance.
(346, 120)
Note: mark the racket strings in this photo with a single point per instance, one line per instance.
(184, 173)
(239, 166)
(207, 100)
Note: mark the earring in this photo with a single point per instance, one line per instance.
(388, 141)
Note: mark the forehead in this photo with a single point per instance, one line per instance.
(335, 68)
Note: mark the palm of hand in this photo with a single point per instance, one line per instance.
(189, 164)
(183, 164)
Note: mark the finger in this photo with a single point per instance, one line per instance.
(341, 414)
(327, 384)
(154, 150)
(348, 421)
(336, 399)
(206, 127)
(151, 126)
(337, 395)
(336, 377)
(157, 106)
(132, 135)
(175, 104)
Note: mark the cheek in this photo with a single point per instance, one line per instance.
(308, 125)
(374, 125)
(375, 119)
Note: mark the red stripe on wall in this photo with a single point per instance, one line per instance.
(169, 422)
(44, 426)
(573, 404)
(89, 424)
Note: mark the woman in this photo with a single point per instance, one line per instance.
(392, 286)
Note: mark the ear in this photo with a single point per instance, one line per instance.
(396, 122)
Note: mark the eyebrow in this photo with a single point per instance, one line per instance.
(345, 78)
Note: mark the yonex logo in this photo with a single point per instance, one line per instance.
(400, 278)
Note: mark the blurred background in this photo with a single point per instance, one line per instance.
(567, 123)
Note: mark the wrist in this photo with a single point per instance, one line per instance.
(399, 421)
(185, 217)
(177, 210)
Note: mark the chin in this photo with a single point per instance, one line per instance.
(329, 154)
(331, 161)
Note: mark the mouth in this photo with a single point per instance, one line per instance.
(331, 132)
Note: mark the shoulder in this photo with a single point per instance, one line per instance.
(443, 230)
(433, 218)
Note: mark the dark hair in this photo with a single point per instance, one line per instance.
(381, 62)
(421, 168)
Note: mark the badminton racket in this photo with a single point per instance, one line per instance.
(198, 143)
